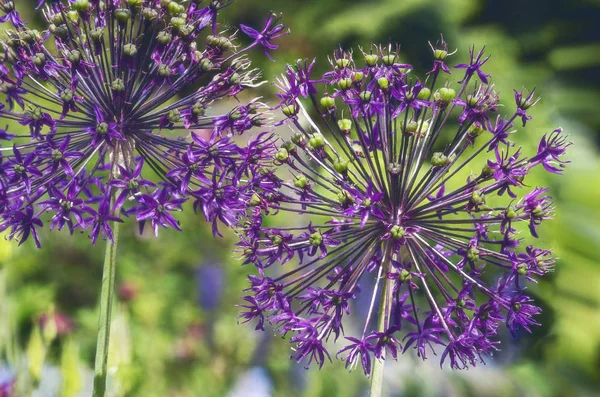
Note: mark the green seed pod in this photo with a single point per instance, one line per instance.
(397, 232)
(300, 181)
(118, 85)
(371, 59)
(365, 96)
(342, 63)
(345, 125)
(439, 159)
(164, 37)
(316, 141)
(383, 83)
(447, 94)
(389, 59)
(290, 110)
(282, 155)
(66, 96)
(440, 55)
(345, 83)
(129, 50)
(81, 6)
(424, 94)
(316, 239)
(327, 102)
(340, 165)
(122, 15)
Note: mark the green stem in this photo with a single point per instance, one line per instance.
(104, 321)
(385, 308)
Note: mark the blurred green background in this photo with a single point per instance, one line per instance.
(175, 331)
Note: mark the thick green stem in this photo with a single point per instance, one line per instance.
(385, 308)
(104, 321)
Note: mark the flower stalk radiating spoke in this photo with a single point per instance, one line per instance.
(392, 190)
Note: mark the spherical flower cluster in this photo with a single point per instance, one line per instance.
(380, 195)
(110, 90)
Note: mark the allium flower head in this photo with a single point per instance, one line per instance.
(110, 91)
(414, 184)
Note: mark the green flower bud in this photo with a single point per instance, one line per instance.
(289, 146)
(340, 164)
(371, 59)
(35, 114)
(61, 31)
(389, 59)
(522, 269)
(300, 181)
(472, 100)
(135, 3)
(475, 130)
(235, 79)
(397, 232)
(129, 50)
(56, 155)
(316, 239)
(344, 84)
(276, 240)
(439, 159)
(149, 14)
(122, 15)
(57, 19)
(282, 155)
(538, 211)
(164, 71)
(394, 168)
(97, 34)
(198, 109)
(74, 56)
(101, 128)
(477, 197)
(447, 94)
(440, 55)
(511, 212)
(118, 85)
(290, 110)
(73, 16)
(345, 125)
(327, 101)
(81, 6)
(164, 37)
(255, 200)
(298, 138)
(177, 23)
(39, 59)
(404, 275)
(344, 198)
(365, 96)
(472, 254)
(383, 83)
(175, 8)
(358, 150)
(316, 141)
(411, 127)
(66, 96)
(206, 64)
(358, 76)
(173, 116)
(342, 63)
(424, 94)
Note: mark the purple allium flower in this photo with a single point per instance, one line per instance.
(98, 91)
(381, 195)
